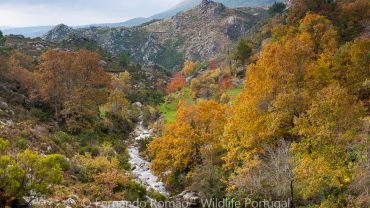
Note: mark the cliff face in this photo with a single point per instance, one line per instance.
(199, 34)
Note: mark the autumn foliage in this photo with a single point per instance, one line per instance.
(179, 150)
(177, 83)
(297, 131)
(213, 64)
(294, 92)
(73, 83)
(189, 66)
(225, 83)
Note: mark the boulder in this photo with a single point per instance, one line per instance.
(138, 104)
(190, 198)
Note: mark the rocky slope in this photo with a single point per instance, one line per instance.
(188, 4)
(200, 33)
(182, 6)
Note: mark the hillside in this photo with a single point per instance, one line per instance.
(189, 4)
(266, 108)
(182, 6)
(199, 34)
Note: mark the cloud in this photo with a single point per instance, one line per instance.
(77, 12)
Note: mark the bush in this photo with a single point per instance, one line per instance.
(134, 191)
(119, 125)
(157, 196)
(21, 143)
(150, 114)
(62, 139)
(144, 143)
(39, 114)
(123, 159)
(64, 163)
(146, 96)
(201, 66)
(94, 151)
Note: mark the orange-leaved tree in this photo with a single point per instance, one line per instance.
(73, 83)
(177, 83)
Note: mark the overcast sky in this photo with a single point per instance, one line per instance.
(19, 13)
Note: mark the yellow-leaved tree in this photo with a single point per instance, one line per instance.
(178, 151)
(325, 154)
(277, 88)
(189, 66)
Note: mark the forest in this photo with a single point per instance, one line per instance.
(284, 116)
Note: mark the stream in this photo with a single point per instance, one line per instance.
(141, 167)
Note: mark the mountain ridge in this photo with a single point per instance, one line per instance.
(196, 34)
(39, 31)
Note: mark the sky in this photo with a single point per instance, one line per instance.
(24, 13)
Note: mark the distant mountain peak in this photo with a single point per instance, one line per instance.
(205, 2)
(58, 32)
(211, 7)
(61, 27)
(181, 7)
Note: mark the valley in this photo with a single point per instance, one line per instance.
(256, 103)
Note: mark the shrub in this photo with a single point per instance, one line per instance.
(134, 191)
(123, 159)
(39, 114)
(157, 196)
(21, 143)
(143, 144)
(28, 174)
(94, 151)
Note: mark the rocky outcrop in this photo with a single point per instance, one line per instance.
(211, 8)
(58, 33)
(199, 34)
(187, 199)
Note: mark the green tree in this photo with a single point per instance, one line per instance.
(169, 57)
(243, 50)
(124, 59)
(2, 39)
(2, 42)
(28, 175)
(276, 8)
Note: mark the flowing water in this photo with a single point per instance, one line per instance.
(140, 170)
(141, 167)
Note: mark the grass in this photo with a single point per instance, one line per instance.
(233, 92)
(102, 111)
(168, 109)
